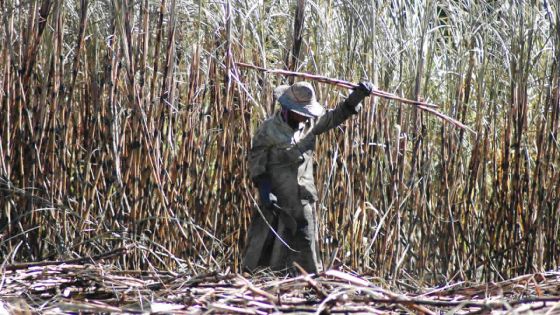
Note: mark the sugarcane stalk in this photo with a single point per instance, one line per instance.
(424, 106)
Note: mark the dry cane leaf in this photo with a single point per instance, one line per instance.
(347, 277)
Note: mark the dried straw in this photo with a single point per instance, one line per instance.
(66, 288)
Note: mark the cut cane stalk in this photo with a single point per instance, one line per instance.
(424, 106)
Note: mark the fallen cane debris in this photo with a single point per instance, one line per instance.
(69, 288)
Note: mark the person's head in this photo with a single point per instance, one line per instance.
(294, 116)
(293, 119)
(299, 101)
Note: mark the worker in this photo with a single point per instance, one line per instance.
(283, 229)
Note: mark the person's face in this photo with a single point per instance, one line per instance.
(295, 117)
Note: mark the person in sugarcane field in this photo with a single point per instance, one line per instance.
(284, 227)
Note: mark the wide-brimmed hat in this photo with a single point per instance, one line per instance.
(300, 98)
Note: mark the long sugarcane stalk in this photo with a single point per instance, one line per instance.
(424, 106)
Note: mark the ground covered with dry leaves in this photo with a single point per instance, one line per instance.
(97, 288)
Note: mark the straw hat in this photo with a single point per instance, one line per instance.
(300, 98)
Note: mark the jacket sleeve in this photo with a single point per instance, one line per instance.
(258, 155)
(333, 118)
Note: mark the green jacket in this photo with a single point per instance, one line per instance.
(286, 155)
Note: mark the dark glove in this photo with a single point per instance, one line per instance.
(270, 202)
(265, 188)
(360, 92)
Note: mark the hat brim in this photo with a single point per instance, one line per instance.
(312, 109)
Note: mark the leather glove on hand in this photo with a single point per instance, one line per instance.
(360, 92)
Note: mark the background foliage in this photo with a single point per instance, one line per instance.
(127, 123)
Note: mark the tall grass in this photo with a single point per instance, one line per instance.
(127, 122)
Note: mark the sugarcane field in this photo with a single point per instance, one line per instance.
(280, 157)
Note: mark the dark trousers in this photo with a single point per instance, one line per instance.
(288, 243)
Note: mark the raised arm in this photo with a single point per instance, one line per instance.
(350, 106)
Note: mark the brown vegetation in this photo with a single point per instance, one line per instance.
(126, 123)
(99, 288)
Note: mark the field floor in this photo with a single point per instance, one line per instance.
(54, 288)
